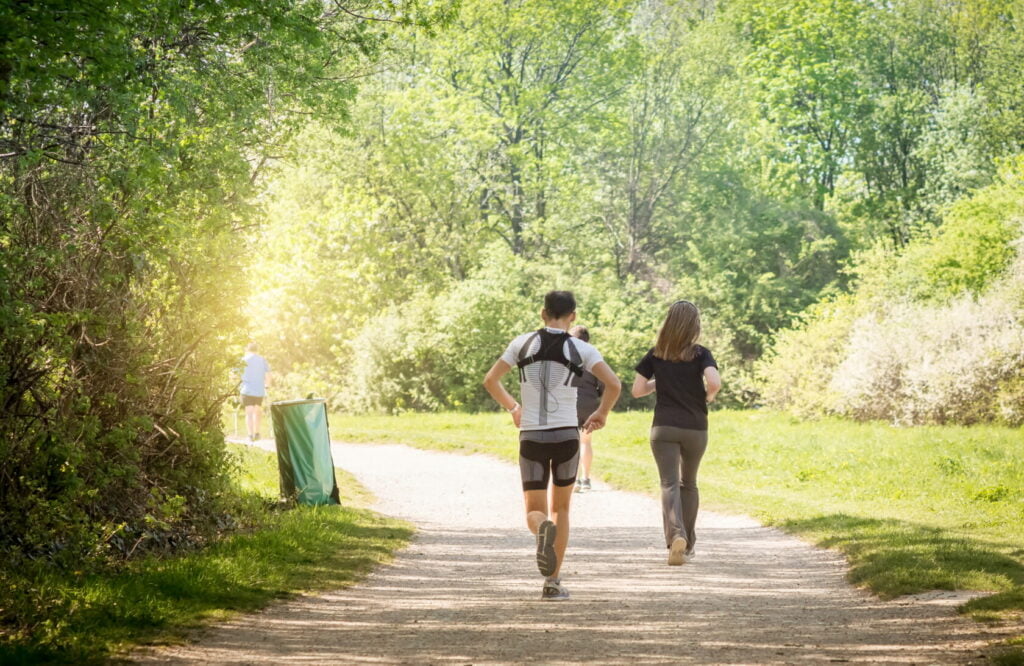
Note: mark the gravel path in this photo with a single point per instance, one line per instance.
(466, 591)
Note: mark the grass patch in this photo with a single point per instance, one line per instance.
(913, 509)
(86, 618)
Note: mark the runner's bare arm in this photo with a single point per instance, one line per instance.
(492, 382)
(642, 386)
(612, 389)
(714, 382)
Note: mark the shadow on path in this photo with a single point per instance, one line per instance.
(467, 591)
(897, 554)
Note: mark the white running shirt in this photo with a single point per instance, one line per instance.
(547, 401)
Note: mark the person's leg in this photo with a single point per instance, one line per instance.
(250, 420)
(257, 417)
(536, 508)
(565, 461)
(534, 466)
(667, 456)
(586, 454)
(694, 444)
(561, 496)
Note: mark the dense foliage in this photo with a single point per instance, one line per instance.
(935, 335)
(754, 156)
(133, 137)
(837, 185)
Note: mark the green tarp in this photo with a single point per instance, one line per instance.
(304, 451)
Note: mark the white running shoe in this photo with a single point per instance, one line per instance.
(554, 591)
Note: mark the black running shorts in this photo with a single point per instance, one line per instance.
(540, 461)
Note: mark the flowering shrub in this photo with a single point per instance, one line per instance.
(933, 336)
(927, 364)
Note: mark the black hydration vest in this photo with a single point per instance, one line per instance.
(552, 348)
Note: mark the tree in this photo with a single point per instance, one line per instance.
(535, 70)
(803, 64)
(671, 112)
(132, 136)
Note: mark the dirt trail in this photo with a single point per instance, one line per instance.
(466, 591)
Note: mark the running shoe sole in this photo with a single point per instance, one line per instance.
(547, 561)
(677, 551)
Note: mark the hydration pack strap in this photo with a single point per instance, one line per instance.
(551, 349)
(525, 360)
(574, 362)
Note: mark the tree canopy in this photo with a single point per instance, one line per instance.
(745, 155)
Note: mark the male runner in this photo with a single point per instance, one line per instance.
(549, 429)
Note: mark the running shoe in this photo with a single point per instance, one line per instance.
(585, 486)
(554, 591)
(677, 551)
(690, 553)
(547, 561)
(579, 486)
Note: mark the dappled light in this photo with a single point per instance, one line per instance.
(470, 592)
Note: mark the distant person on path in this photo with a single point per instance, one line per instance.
(549, 429)
(686, 379)
(589, 390)
(255, 377)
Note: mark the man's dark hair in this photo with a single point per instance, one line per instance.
(558, 304)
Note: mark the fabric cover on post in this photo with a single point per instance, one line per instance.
(304, 451)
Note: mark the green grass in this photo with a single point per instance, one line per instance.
(912, 509)
(90, 617)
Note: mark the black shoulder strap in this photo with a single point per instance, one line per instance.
(574, 362)
(551, 349)
(525, 360)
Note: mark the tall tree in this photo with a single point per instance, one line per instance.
(132, 135)
(803, 62)
(535, 69)
(672, 109)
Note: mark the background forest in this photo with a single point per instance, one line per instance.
(837, 185)
(379, 192)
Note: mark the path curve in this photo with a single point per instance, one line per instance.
(466, 590)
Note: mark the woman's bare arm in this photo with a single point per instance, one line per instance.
(642, 386)
(714, 382)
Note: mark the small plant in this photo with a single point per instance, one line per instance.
(950, 466)
(992, 494)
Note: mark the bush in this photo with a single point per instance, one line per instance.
(796, 372)
(933, 336)
(131, 144)
(432, 352)
(923, 364)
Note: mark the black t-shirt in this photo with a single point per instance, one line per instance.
(681, 398)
